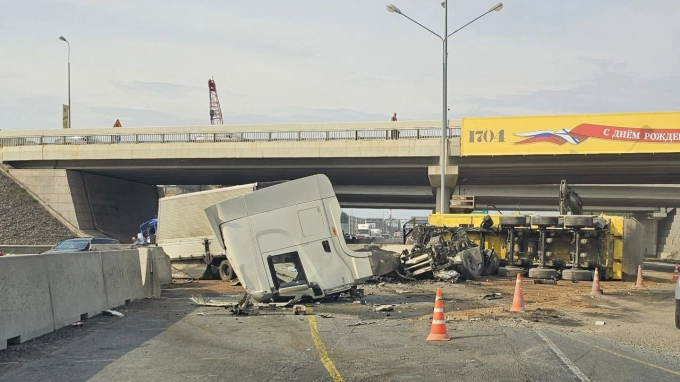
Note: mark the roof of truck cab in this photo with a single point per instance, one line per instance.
(315, 187)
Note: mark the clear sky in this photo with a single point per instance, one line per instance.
(147, 62)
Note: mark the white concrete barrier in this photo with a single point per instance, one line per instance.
(122, 277)
(76, 286)
(162, 266)
(25, 307)
(42, 293)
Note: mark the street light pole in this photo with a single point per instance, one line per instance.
(445, 39)
(445, 115)
(62, 38)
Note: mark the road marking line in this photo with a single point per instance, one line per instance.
(563, 357)
(621, 355)
(325, 359)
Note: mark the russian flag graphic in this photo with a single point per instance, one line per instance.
(558, 137)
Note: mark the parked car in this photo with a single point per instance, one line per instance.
(677, 305)
(80, 244)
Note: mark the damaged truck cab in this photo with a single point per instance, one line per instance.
(285, 241)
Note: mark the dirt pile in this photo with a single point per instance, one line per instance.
(23, 221)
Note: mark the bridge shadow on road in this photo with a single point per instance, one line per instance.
(81, 353)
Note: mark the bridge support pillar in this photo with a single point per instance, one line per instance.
(451, 179)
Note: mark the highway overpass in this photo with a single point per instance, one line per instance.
(378, 164)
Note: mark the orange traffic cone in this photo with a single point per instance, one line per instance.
(675, 273)
(438, 331)
(518, 300)
(639, 283)
(596, 284)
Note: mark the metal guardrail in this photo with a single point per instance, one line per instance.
(274, 136)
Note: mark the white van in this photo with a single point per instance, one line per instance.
(286, 241)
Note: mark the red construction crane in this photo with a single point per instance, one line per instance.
(215, 109)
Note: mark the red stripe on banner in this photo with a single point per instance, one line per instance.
(617, 133)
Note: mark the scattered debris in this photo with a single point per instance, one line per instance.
(200, 314)
(402, 291)
(447, 275)
(492, 296)
(112, 312)
(361, 323)
(545, 281)
(599, 323)
(384, 308)
(199, 300)
(326, 315)
(236, 282)
(78, 324)
(302, 310)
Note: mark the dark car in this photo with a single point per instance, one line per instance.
(80, 244)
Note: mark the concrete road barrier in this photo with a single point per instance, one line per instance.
(162, 266)
(24, 249)
(25, 306)
(76, 286)
(122, 277)
(42, 293)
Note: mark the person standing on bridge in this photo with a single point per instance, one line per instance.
(394, 133)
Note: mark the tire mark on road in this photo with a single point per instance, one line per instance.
(577, 372)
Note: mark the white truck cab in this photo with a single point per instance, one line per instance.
(286, 241)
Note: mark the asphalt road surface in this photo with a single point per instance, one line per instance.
(170, 339)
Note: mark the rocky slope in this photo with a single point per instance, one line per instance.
(23, 221)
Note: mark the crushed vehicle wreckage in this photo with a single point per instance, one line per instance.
(446, 253)
(439, 250)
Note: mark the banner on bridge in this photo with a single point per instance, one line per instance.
(624, 133)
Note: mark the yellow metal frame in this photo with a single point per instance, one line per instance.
(612, 258)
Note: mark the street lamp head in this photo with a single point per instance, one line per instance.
(62, 38)
(393, 9)
(496, 7)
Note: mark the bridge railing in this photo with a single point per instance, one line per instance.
(203, 137)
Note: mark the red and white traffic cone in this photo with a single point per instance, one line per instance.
(640, 283)
(675, 273)
(596, 290)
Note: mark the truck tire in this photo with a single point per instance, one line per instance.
(470, 269)
(492, 267)
(578, 221)
(511, 271)
(577, 274)
(226, 271)
(677, 314)
(545, 221)
(513, 221)
(542, 273)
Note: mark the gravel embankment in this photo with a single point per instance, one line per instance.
(23, 221)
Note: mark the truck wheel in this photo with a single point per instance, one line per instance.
(470, 269)
(511, 271)
(494, 262)
(542, 273)
(677, 314)
(226, 271)
(513, 221)
(577, 221)
(545, 221)
(577, 274)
